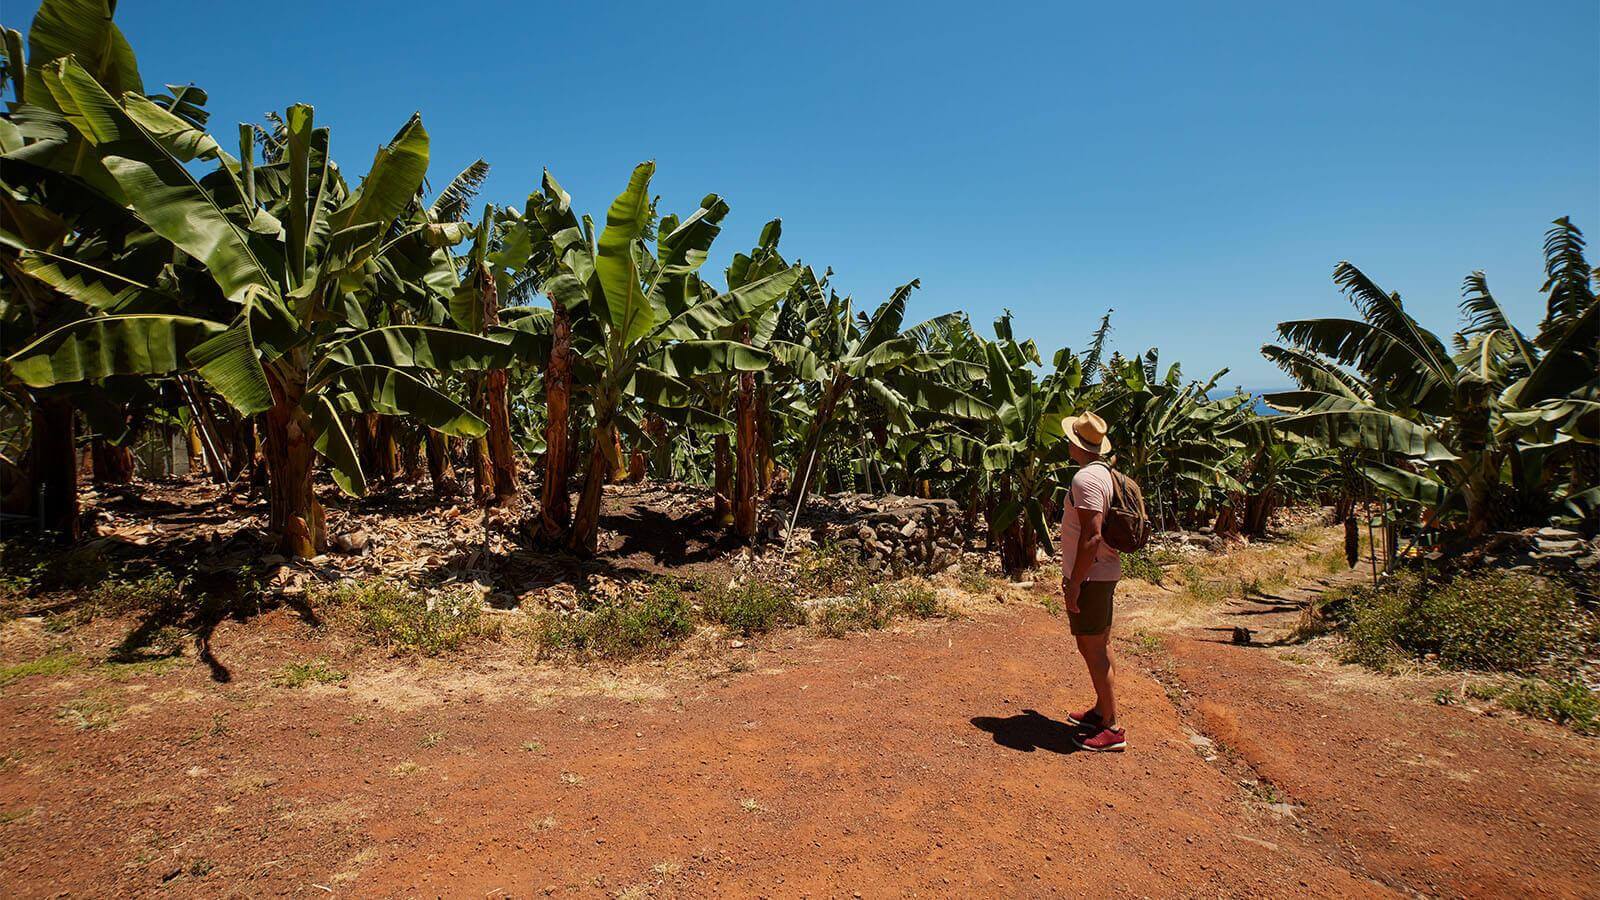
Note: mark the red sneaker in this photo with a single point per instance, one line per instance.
(1089, 718)
(1106, 740)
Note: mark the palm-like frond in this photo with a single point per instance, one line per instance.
(1485, 316)
(1567, 280)
(454, 199)
(1384, 309)
(1092, 368)
(1316, 374)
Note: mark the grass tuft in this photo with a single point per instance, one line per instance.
(54, 664)
(753, 607)
(405, 619)
(314, 671)
(646, 619)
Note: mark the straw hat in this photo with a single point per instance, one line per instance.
(1087, 432)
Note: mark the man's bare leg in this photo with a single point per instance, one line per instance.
(1096, 652)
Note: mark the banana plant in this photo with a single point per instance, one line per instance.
(277, 256)
(639, 324)
(1495, 431)
(837, 358)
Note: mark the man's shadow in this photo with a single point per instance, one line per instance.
(1030, 731)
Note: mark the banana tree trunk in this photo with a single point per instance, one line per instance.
(55, 468)
(809, 462)
(112, 463)
(766, 467)
(555, 504)
(745, 475)
(497, 412)
(722, 475)
(502, 457)
(618, 459)
(296, 518)
(660, 449)
(440, 471)
(585, 536)
(482, 471)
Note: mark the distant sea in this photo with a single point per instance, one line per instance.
(1262, 409)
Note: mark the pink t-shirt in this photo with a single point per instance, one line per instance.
(1091, 489)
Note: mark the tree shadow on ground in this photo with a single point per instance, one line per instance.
(1029, 731)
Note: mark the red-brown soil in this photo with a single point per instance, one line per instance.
(929, 760)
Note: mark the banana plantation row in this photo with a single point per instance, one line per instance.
(301, 321)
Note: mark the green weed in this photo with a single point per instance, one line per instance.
(753, 607)
(1495, 621)
(1565, 702)
(313, 671)
(54, 664)
(407, 620)
(650, 619)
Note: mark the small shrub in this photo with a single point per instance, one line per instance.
(405, 619)
(1142, 565)
(300, 674)
(151, 593)
(874, 605)
(826, 569)
(54, 664)
(649, 620)
(753, 607)
(973, 580)
(1564, 702)
(1493, 621)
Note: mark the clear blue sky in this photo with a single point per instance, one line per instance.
(1199, 167)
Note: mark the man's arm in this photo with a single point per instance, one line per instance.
(1090, 522)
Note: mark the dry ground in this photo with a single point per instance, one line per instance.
(930, 760)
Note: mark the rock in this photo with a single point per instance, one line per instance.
(354, 542)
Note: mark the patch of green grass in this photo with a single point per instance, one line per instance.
(1565, 702)
(1146, 641)
(91, 712)
(1328, 562)
(1201, 588)
(201, 867)
(54, 664)
(1489, 621)
(312, 671)
(647, 619)
(151, 593)
(1142, 565)
(406, 619)
(753, 607)
(973, 580)
(874, 605)
(826, 569)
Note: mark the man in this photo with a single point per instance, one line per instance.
(1090, 569)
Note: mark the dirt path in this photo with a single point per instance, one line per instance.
(929, 761)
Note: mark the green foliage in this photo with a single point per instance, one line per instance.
(151, 593)
(874, 605)
(753, 606)
(1491, 621)
(1142, 565)
(405, 619)
(973, 580)
(53, 664)
(1565, 702)
(314, 671)
(648, 619)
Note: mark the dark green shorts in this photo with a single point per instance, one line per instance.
(1094, 608)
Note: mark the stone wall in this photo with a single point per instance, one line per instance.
(886, 532)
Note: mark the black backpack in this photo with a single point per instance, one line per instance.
(1127, 527)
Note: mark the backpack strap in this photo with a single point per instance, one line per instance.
(1116, 488)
